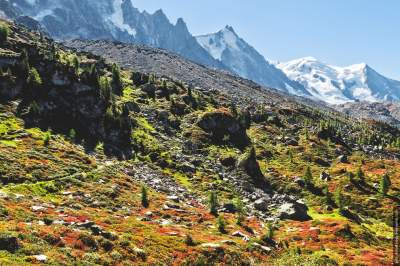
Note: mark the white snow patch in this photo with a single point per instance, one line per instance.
(31, 2)
(329, 83)
(217, 43)
(42, 14)
(117, 18)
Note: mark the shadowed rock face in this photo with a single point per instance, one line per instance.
(223, 125)
(114, 20)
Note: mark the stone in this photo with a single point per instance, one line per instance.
(322, 162)
(9, 243)
(324, 176)
(228, 161)
(343, 159)
(261, 205)
(173, 198)
(293, 211)
(40, 258)
(292, 142)
(261, 247)
(38, 208)
(211, 245)
(86, 224)
(240, 234)
(228, 208)
(299, 181)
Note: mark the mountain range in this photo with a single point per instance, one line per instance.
(119, 20)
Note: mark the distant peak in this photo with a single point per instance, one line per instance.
(159, 12)
(229, 28)
(180, 23)
(309, 58)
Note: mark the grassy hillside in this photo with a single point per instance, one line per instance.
(107, 166)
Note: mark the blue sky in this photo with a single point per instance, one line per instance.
(339, 32)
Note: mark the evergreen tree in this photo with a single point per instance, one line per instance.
(240, 210)
(34, 80)
(328, 196)
(233, 109)
(221, 224)
(116, 79)
(136, 78)
(4, 32)
(213, 203)
(76, 64)
(360, 175)
(308, 178)
(290, 156)
(144, 197)
(350, 176)
(72, 134)
(46, 138)
(339, 200)
(385, 185)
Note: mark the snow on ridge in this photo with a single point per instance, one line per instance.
(217, 43)
(117, 18)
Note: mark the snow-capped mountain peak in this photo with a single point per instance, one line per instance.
(337, 85)
(227, 47)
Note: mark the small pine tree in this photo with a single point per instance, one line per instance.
(360, 175)
(350, 176)
(213, 202)
(240, 210)
(105, 89)
(116, 79)
(4, 32)
(290, 156)
(144, 197)
(233, 109)
(328, 196)
(189, 241)
(136, 78)
(385, 185)
(76, 64)
(46, 138)
(72, 134)
(33, 109)
(308, 178)
(221, 224)
(270, 232)
(34, 80)
(339, 200)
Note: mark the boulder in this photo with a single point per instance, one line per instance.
(240, 234)
(291, 142)
(228, 208)
(322, 162)
(293, 211)
(228, 161)
(261, 248)
(299, 181)
(9, 243)
(324, 176)
(261, 204)
(343, 159)
(223, 126)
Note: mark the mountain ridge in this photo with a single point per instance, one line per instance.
(338, 85)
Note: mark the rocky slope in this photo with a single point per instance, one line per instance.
(388, 112)
(100, 165)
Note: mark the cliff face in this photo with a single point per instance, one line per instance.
(53, 95)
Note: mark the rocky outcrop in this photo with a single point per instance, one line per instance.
(296, 210)
(223, 127)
